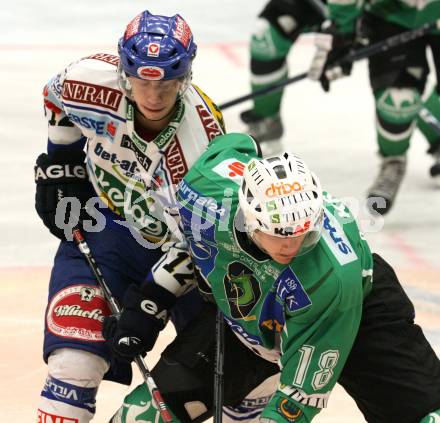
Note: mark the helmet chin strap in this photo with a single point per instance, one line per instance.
(251, 236)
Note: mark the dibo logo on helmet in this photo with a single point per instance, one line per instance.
(153, 73)
(282, 188)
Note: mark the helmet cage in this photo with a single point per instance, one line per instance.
(281, 197)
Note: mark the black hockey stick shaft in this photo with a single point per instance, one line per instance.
(115, 309)
(218, 369)
(389, 43)
(263, 91)
(362, 53)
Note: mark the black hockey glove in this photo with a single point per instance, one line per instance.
(328, 64)
(60, 175)
(144, 315)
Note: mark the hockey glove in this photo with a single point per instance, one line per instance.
(144, 315)
(61, 175)
(328, 63)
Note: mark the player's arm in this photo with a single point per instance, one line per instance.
(313, 356)
(61, 172)
(358, 243)
(145, 308)
(175, 270)
(334, 41)
(63, 134)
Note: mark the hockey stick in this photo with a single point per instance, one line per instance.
(362, 53)
(218, 370)
(115, 309)
(319, 7)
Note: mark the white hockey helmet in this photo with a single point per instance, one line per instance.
(280, 196)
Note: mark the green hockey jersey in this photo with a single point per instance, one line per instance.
(304, 315)
(410, 14)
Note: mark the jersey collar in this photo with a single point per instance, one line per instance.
(244, 241)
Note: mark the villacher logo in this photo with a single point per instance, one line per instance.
(70, 316)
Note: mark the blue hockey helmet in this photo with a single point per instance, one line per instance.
(156, 47)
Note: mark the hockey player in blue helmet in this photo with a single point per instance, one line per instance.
(156, 54)
(157, 44)
(122, 129)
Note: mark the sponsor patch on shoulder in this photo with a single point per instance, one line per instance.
(291, 292)
(105, 57)
(230, 169)
(96, 95)
(337, 241)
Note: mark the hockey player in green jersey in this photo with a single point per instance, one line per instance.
(397, 77)
(303, 297)
(277, 29)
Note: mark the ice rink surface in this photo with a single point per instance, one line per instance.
(333, 132)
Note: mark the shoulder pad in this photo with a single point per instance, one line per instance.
(104, 57)
(337, 208)
(226, 157)
(92, 81)
(233, 144)
(212, 107)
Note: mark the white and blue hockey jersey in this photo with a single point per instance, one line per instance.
(84, 105)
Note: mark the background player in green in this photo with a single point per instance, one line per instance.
(287, 265)
(397, 77)
(277, 28)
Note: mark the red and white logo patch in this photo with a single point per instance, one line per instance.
(182, 32)
(150, 72)
(153, 50)
(111, 129)
(105, 57)
(77, 312)
(230, 169)
(209, 123)
(175, 161)
(133, 27)
(98, 95)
